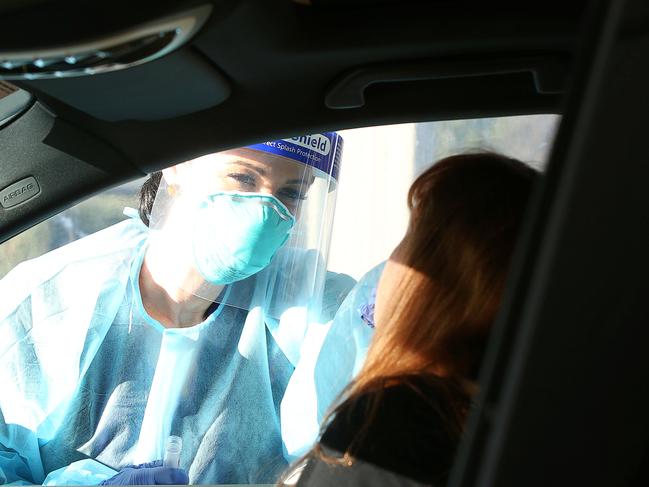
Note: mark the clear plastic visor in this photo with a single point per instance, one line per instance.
(244, 228)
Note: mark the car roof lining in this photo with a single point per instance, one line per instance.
(301, 51)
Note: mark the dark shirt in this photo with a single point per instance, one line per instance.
(412, 439)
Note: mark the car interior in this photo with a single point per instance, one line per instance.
(94, 95)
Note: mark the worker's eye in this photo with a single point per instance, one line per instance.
(243, 178)
(291, 194)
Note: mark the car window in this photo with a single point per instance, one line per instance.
(380, 163)
(378, 166)
(104, 346)
(77, 222)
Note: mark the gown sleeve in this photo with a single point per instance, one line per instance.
(343, 350)
(299, 421)
(54, 314)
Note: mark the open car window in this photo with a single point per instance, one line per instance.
(127, 380)
(379, 164)
(83, 219)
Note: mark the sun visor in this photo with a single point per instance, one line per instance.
(142, 72)
(146, 92)
(13, 102)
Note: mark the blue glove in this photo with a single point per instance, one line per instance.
(151, 473)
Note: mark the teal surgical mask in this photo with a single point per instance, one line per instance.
(236, 234)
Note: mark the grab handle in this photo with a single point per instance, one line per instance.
(349, 90)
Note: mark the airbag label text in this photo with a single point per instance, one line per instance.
(19, 192)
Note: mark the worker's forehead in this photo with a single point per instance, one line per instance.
(262, 162)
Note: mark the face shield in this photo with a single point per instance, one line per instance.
(248, 226)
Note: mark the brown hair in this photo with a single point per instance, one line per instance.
(465, 214)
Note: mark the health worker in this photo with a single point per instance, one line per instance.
(186, 320)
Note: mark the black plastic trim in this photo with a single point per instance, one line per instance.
(549, 73)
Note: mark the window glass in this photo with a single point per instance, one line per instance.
(380, 163)
(94, 358)
(378, 166)
(83, 219)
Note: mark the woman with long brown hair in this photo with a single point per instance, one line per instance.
(437, 300)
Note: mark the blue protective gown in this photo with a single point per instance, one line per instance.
(331, 356)
(345, 346)
(85, 373)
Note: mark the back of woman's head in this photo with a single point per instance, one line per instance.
(466, 212)
(437, 300)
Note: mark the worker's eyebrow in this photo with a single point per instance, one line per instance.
(262, 171)
(258, 168)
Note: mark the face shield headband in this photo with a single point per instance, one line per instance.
(321, 151)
